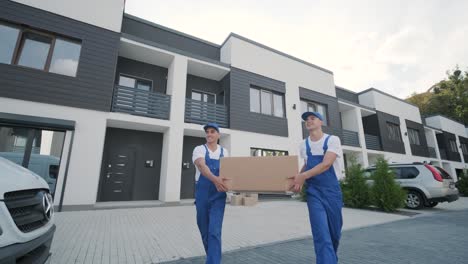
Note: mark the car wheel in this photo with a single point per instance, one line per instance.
(414, 200)
(432, 204)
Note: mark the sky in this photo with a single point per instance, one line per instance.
(399, 47)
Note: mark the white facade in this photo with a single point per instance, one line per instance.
(83, 148)
(103, 13)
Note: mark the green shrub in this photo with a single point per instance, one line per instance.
(303, 193)
(356, 192)
(462, 183)
(387, 194)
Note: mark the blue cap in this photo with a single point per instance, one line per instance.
(307, 114)
(211, 125)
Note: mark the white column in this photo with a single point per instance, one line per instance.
(460, 151)
(362, 138)
(169, 188)
(293, 116)
(405, 136)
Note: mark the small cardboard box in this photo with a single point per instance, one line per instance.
(259, 174)
(249, 201)
(236, 199)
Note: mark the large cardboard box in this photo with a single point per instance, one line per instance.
(259, 174)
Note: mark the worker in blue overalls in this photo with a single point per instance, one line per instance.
(321, 172)
(210, 194)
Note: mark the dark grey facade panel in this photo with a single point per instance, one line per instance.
(418, 150)
(92, 88)
(195, 83)
(444, 145)
(146, 30)
(388, 144)
(376, 125)
(36, 122)
(346, 95)
(157, 75)
(330, 102)
(239, 100)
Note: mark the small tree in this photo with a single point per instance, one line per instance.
(386, 192)
(462, 183)
(356, 192)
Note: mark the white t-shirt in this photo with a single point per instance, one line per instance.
(200, 152)
(316, 147)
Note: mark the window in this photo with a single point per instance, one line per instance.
(413, 135)
(38, 50)
(257, 152)
(34, 50)
(453, 145)
(266, 102)
(406, 172)
(134, 82)
(394, 132)
(307, 106)
(464, 148)
(204, 97)
(65, 57)
(9, 36)
(443, 173)
(254, 100)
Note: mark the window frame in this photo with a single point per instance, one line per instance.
(453, 148)
(202, 93)
(136, 78)
(415, 133)
(21, 40)
(272, 150)
(316, 104)
(391, 125)
(272, 101)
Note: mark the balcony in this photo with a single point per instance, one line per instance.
(373, 142)
(432, 152)
(347, 137)
(141, 103)
(199, 112)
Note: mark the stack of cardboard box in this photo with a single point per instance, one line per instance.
(246, 199)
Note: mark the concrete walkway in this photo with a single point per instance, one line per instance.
(152, 235)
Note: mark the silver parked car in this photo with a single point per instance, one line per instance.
(426, 185)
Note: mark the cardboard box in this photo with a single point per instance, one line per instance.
(259, 174)
(249, 201)
(236, 199)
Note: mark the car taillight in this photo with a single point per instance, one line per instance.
(435, 173)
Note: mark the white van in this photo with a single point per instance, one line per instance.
(26, 215)
(43, 165)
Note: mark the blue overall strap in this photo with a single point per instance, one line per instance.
(325, 144)
(207, 153)
(222, 152)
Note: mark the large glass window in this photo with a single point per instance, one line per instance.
(413, 135)
(34, 50)
(394, 132)
(266, 102)
(453, 146)
(254, 100)
(258, 152)
(8, 39)
(464, 149)
(37, 150)
(307, 106)
(65, 57)
(38, 50)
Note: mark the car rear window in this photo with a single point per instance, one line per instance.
(443, 173)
